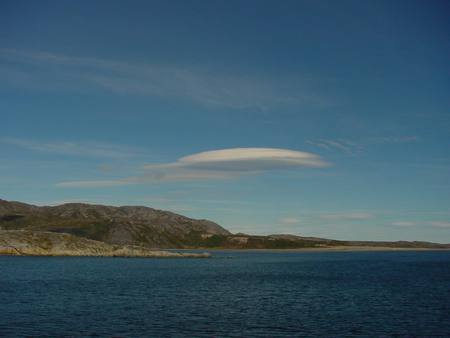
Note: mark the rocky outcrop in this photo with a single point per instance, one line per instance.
(35, 243)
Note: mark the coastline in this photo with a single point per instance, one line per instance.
(154, 254)
(50, 244)
(321, 249)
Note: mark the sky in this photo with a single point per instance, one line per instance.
(315, 118)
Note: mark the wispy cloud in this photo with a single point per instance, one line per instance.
(440, 224)
(345, 146)
(97, 183)
(403, 224)
(289, 220)
(353, 147)
(186, 83)
(352, 216)
(91, 149)
(400, 139)
(214, 165)
(434, 224)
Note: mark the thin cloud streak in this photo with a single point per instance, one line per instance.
(95, 184)
(434, 224)
(198, 85)
(90, 149)
(440, 224)
(353, 216)
(403, 224)
(401, 139)
(345, 146)
(289, 220)
(351, 147)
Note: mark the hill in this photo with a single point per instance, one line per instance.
(152, 228)
(128, 225)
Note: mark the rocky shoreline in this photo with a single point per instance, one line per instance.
(41, 243)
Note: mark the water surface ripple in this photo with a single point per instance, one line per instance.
(253, 294)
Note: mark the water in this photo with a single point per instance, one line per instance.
(253, 294)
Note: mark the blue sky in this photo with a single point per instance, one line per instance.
(318, 118)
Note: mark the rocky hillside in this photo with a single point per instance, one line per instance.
(41, 243)
(153, 228)
(127, 225)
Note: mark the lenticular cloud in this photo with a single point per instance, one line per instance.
(247, 159)
(215, 165)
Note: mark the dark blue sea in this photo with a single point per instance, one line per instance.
(235, 294)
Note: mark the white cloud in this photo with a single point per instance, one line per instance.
(214, 165)
(92, 149)
(245, 159)
(352, 216)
